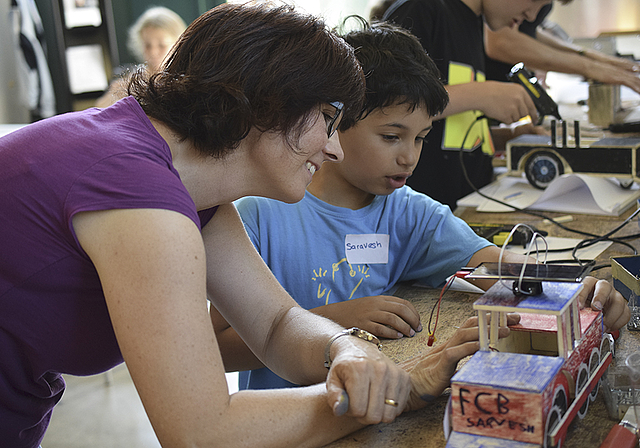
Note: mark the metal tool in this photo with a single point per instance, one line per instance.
(543, 102)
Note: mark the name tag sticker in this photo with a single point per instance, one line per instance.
(370, 248)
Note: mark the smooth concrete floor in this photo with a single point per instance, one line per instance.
(103, 411)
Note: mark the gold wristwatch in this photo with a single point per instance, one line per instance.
(354, 331)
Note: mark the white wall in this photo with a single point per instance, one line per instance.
(12, 108)
(589, 18)
(580, 18)
(334, 11)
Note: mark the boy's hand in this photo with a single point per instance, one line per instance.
(507, 102)
(384, 316)
(431, 372)
(609, 74)
(601, 295)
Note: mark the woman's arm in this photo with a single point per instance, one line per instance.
(288, 339)
(153, 271)
(249, 297)
(383, 316)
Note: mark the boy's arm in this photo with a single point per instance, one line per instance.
(550, 54)
(548, 38)
(236, 355)
(384, 316)
(491, 254)
(506, 102)
(509, 45)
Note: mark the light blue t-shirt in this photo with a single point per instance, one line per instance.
(325, 254)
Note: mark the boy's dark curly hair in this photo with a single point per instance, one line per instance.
(397, 69)
(239, 67)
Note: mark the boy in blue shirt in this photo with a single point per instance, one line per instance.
(360, 230)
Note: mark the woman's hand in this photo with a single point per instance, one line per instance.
(431, 372)
(361, 378)
(384, 316)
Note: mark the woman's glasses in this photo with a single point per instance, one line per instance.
(332, 121)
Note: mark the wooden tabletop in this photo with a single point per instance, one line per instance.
(424, 428)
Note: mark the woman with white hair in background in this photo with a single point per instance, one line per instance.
(150, 39)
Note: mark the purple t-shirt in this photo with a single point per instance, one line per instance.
(53, 316)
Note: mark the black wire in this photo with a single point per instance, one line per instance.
(629, 237)
(607, 237)
(592, 238)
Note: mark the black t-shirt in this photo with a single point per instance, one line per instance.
(452, 34)
(498, 71)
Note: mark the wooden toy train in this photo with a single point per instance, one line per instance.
(524, 390)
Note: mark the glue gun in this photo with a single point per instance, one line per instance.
(543, 102)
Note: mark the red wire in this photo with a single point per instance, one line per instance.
(432, 336)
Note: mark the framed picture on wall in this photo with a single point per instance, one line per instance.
(79, 13)
(87, 72)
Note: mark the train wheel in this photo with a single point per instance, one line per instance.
(625, 183)
(606, 345)
(560, 399)
(594, 362)
(558, 408)
(553, 419)
(542, 168)
(581, 382)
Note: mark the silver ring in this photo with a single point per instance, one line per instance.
(391, 402)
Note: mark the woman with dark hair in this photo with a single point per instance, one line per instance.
(117, 225)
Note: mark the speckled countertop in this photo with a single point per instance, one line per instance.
(424, 428)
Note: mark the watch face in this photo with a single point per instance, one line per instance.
(539, 272)
(363, 334)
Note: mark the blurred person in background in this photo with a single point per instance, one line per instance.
(150, 39)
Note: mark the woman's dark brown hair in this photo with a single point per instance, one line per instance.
(238, 66)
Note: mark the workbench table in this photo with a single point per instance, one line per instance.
(424, 428)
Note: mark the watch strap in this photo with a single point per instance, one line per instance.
(354, 331)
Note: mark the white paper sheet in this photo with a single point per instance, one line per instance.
(569, 193)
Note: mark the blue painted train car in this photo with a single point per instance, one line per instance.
(525, 389)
